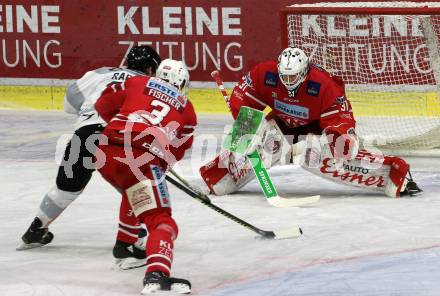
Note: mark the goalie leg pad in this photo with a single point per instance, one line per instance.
(227, 173)
(385, 173)
(397, 181)
(230, 171)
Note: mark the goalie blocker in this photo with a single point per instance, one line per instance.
(230, 171)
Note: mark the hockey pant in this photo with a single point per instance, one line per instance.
(145, 195)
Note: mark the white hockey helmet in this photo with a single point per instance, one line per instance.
(175, 73)
(293, 65)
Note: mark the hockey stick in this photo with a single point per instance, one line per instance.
(293, 232)
(292, 202)
(266, 184)
(187, 184)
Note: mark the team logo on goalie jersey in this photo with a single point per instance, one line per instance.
(248, 79)
(271, 79)
(313, 88)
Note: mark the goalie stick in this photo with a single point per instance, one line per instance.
(293, 232)
(269, 190)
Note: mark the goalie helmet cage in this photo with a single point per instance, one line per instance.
(388, 56)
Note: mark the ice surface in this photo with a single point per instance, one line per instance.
(354, 242)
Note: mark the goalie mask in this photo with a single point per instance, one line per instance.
(293, 65)
(174, 72)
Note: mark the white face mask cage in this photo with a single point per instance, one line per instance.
(290, 81)
(293, 65)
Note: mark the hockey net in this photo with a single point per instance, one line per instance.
(388, 55)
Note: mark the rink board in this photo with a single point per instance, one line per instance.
(210, 101)
(51, 98)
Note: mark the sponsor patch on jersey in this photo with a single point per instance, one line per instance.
(292, 110)
(271, 79)
(163, 87)
(161, 186)
(166, 93)
(312, 88)
(341, 100)
(248, 79)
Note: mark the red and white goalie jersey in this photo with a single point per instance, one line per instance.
(318, 104)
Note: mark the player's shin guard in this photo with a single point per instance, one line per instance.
(160, 251)
(129, 249)
(54, 203)
(129, 225)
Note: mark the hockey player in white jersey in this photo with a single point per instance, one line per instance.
(77, 166)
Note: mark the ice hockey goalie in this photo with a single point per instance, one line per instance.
(311, 123)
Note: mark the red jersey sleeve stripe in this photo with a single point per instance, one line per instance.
(255, 99)
(329, 113)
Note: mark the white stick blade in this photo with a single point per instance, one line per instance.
(293, 232)
(282, 202)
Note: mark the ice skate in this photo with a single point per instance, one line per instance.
(129, 256)
(35, 236)
(411, 189)
(157, 281)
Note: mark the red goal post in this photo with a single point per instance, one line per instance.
(389, 59)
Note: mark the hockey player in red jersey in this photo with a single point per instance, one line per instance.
(74, 173)
(150, 126)
(305, 99)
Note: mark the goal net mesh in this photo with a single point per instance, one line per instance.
(389, 60)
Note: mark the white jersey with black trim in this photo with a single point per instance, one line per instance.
(82, 95)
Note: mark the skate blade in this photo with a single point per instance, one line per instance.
(128, 263)
(176, 288)
(151, 289)
(180, 288)
(24, 246)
